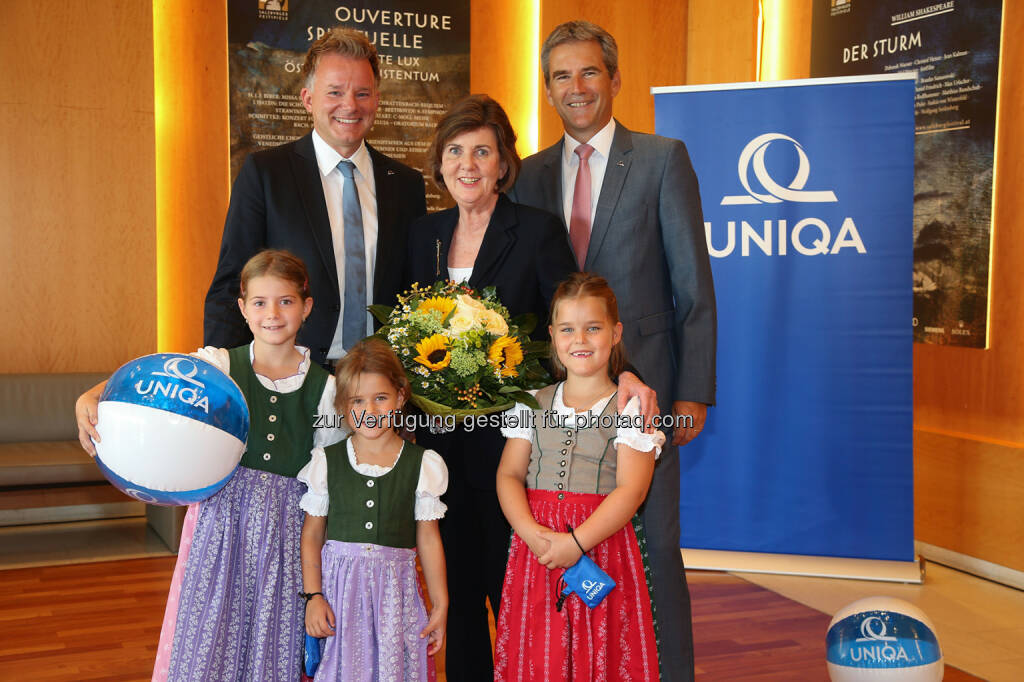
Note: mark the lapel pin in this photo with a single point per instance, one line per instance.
(621, 163)
(390, 172)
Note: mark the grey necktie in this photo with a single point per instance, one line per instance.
(354, 323)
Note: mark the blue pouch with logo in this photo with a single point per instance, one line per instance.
(588, 581)
(311, 655)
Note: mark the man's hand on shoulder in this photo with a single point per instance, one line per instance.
(629, 386)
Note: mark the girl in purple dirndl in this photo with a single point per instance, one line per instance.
(372, 507)
(233, 612)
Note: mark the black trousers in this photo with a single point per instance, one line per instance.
(671, 598)
(476, 540)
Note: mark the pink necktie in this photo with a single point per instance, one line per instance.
(579, 222)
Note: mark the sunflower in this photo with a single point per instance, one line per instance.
(433, 352)
(506, 354)
(441, 304)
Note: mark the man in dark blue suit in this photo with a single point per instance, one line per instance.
(299, 196)
(631, 205)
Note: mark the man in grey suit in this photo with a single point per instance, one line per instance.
(632, 208)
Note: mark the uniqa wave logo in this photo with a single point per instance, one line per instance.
(181, 371)
(810, 236)
(886, 639)
(592, 588)
(754, 153)
(881, 647)
(868, 630)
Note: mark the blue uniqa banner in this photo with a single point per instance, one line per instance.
(807, 189)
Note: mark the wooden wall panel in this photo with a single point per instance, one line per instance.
(652, 39)
(787, 38)
(969, 497)
(77, 213)
(501, 60)
(193, 181)
(722, 41)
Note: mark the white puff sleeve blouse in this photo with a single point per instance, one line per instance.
(517, 422)
(433, 482)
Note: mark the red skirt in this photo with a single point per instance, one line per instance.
(614, 641)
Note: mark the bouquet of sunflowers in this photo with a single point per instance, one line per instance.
(461, 351)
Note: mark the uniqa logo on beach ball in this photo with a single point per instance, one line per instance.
(172, 429)
(883, 639)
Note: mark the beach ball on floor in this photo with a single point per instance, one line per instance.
(883, 639)
(172, 429)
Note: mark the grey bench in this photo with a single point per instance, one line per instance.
(43, 466)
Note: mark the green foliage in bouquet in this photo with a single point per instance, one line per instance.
(461, 351)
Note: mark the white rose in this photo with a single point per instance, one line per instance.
(461, 321)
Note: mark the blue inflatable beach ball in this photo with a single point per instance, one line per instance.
(172, 429)
(883, 639)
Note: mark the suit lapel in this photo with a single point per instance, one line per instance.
(551, 180)
(619, 159)
(498, 240)
(311, 193)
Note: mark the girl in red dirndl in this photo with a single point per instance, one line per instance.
(571, 478)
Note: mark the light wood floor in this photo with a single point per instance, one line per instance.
(101, 621)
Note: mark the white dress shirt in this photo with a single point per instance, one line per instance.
(334, 183)
(460, 275)
(602, 144)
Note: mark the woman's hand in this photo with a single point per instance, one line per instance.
(563, 553)
(434, 631)
(319, 617)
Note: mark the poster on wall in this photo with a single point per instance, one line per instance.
(424, 68)
(954, 47)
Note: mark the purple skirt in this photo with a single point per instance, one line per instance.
(239, 614)
(378, 610)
